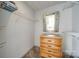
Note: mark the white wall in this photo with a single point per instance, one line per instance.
(75, 28)
(17, 31)
(65, 20)
(75, 12)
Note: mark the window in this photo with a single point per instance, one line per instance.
(51, 22)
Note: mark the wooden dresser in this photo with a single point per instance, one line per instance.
(51, 46)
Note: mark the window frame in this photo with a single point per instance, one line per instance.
(56, 22)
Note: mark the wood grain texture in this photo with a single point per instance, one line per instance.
(51, 46)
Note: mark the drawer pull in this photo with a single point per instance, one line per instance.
(49, 56)
(49, 40)
(49, 51)
(49, 46)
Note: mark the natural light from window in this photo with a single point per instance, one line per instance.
(50, 22)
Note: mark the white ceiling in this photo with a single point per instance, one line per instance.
(39, 5)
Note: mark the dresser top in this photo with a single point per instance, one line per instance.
(51, 36)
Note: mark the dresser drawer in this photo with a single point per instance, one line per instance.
(55, 41)
(43, 45)
(57, 54)
(52, 41)
(54, 46)
(44, 50)
(50, 46)
(49, 50)
(48, 53)
(43, 54)
(54, 50)
(43, 40)
(51, 56)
